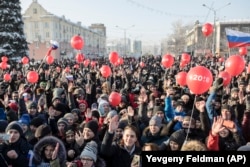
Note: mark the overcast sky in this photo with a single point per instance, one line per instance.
(152, 19)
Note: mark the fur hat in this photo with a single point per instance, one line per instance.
(90, 151)
(42, 130)
(92, 125)
(45, 141)
(155, 120)
(16, 126)
(25, 119)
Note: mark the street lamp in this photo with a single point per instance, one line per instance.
(125, 29)
(214, 10)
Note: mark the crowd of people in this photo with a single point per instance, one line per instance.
(66, 118)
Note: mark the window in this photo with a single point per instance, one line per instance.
(36, 25)
(34, 11)
(46, 25)
(47, 34)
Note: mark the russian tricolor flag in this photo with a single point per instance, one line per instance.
(237, 38)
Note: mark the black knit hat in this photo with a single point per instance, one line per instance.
(92, 125)
(177, 137)
(95, 113)
(3, 125)
(37, 121)
(16, 126)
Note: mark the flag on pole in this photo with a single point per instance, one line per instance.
(237, 38)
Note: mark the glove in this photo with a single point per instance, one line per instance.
(218, 84)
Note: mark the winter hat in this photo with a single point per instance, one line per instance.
(157, 109)
(42, 130)
(92, 125)
(55, 98)
(69, 130)
(37, 121)
(111, 114)
(3, 125)
(235, 89)
(155, 120)
(63, 121)
(60, 107)
(68, 115)
(177, 137)
(95, 113)
(122, 125)
(100, 107)
(90, 151)
(2, 114)
(179, 103)
(16, 126)
(83, 102)
(25, 119)
(32, 105)
(57, 92)
(13, 106)
(76, 110)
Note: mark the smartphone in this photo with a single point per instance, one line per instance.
(70, 77)
(228, 124)
(4, 136)
(136, 160)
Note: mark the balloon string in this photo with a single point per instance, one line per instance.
(189, 125)
(48, 53)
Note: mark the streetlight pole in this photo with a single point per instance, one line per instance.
(125, 29)
(215, 30)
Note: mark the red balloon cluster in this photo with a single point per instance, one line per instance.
(234, 65)
(77, 42)
(181, 78)
(7, 77)
(113, 57)
(120, 61)
(79, 58)
(25, 60)
(167, 61)
(226, 77)
(3, 65)
(207, 29)
(199, 79)
(92, 63)
(243, 51)
(114, 99)
(105, 71)
(32, 77)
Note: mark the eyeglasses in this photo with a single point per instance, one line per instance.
(87, 159)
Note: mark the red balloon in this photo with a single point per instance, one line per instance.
(86, 62)
(120, 60)
(185, 58)
(243, 51)
(234, 65)
(142, 64)
(115, 99)
(93, 63)
(105, 71)
(76, 66)
(167, 60)
(67, 69)
(25, 60)
(207, 29)
(4, 59)
(77, 42)
(199, 79)
(181, 78)
(49, 59)
(3, 65)
(6, 77)
(183, 64)
(113, 57)
(226, 77)
(221, 59)
(79, 58)
(32, 76)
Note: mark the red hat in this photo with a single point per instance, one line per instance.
(83, 102)
(13, 106)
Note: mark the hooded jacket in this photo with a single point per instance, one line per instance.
(39, 159)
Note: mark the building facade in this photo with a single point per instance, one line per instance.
(41, 26)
